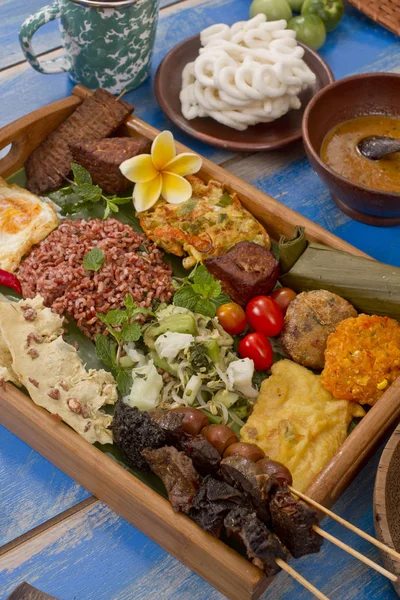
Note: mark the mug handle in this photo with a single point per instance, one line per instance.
(28, 29)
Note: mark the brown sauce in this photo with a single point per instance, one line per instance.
(339, 151)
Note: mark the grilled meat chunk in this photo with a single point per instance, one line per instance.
(262, 546)
(205, 457)
(97, 117)
(247, 270)
(102, 159)
(177, 473)
(134, 431)
(212, 503)
(292, 521)
(170, 422)
(243, 474)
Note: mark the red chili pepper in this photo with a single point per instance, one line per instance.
(9, 280)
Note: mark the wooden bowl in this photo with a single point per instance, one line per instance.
(369, 93)
(387, 503)
(264, 136)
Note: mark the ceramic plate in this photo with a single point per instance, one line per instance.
(264, 136)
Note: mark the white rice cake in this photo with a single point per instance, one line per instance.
(25, 220)
(52, 371)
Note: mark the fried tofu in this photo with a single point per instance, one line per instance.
(25, 220)
(206, 226)
(297, 422)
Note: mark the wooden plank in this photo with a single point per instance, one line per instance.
(45, 40)
(97, 556)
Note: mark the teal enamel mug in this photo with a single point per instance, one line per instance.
(107, 44)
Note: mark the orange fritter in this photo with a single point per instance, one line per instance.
(362, 358)
(206, 226)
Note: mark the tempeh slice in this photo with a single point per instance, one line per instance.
(97, 117)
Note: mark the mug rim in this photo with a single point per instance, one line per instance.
(104, 4)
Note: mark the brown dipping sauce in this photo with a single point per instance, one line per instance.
(339, 151)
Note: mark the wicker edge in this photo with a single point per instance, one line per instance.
(384, 12)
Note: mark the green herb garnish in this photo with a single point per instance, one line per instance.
(83, 194)
(200, 293)
(122, 329)
(94, 259)
(225, 200)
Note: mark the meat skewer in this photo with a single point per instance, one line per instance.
(345, 523)
(256, 493)
(300, 579)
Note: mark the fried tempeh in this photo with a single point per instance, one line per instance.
(97, 117)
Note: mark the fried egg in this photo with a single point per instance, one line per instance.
(25, 220)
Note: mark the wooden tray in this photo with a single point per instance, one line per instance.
(213, 560)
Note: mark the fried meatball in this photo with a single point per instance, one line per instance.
(309, 320)
(362, 358)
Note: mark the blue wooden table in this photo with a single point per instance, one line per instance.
(53, 533)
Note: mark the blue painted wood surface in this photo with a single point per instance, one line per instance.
(32, 490)
(96, 555)
(13, 14)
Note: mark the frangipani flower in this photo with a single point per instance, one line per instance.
(161, 173)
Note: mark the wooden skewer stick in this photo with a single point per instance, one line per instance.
(345, 523)
(121, 94)
(300, 579)
(354, 553)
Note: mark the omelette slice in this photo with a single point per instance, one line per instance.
(52, 372)
(206, 226)
(297, 422)
(25, 220)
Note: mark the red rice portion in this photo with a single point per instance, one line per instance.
(134, 265)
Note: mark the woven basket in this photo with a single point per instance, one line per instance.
(384, 12)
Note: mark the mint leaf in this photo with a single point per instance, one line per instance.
(81, 175)
(221, 299)
(225, 200)
(106, 212)
(106, 349)
(117, 200)
(205, 284)
(124, 382)
(129, 302)
(113, 207)
(88, 192)
(205, 307)
(114, 317)
(94, 259)
(186, 297)
(131, 332)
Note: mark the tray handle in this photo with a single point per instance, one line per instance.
(26, 133)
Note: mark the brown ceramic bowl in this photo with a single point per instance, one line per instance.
(264, 136)
(369, 93)
(387, 503)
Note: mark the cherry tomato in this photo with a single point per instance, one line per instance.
(257, 347)
(283, 297)
(232, 318)
(264, 315)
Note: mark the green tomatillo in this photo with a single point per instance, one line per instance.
(330, 11)
(310, 30)
(272, 9)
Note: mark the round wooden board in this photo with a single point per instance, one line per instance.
(264, 136)
(387, 503)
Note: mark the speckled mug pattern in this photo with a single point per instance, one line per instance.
(104, 47)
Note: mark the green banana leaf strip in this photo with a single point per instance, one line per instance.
(291, 249)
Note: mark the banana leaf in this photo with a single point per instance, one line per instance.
(370, 286)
